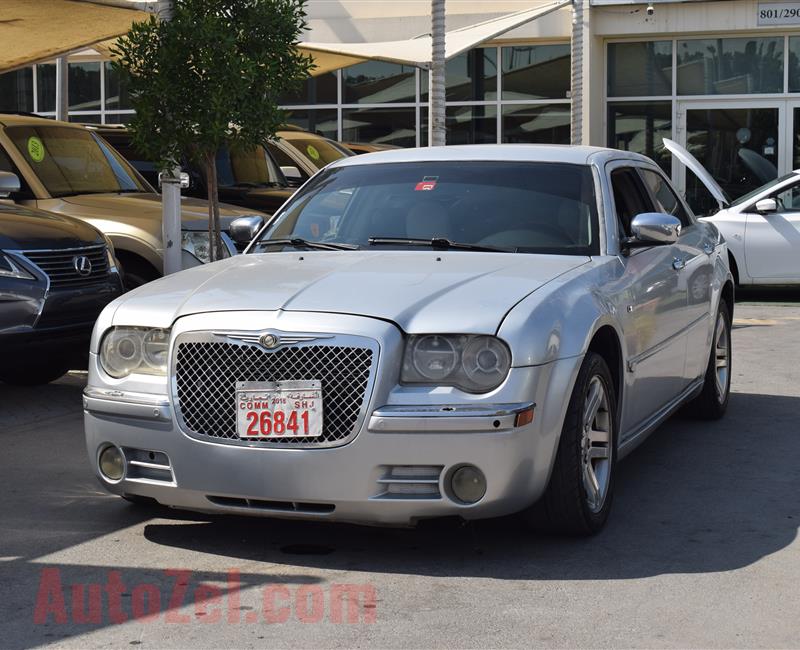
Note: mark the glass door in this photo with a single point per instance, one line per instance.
(793, 135)
(738, 142)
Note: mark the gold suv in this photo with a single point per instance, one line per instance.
(68, 169)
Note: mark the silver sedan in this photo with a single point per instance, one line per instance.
(470, 331)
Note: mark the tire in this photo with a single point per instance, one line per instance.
(569, 505)
(34, 373)
(712, 402)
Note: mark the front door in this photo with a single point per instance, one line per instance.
(738, 142)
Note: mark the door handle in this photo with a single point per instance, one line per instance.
(678, 263)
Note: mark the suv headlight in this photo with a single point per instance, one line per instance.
(8, 269)
(128, 350)
(476, 364)
(198, 244)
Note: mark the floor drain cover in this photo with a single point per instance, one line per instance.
(306, 549)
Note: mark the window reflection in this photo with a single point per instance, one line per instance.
(314, 90)
(16, 90)
(549, 124)
(640, 69)
(641, 127)
(470, 76)
(321, 121)
(536, 72)
(378, 82)
(730, 66)
(394, 126)
(117, 96)
(84, 86)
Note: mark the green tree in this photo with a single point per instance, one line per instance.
(210, 77)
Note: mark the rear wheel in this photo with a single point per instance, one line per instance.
(712, 402)
(578, 498)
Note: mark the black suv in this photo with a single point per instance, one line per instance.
(247, 179)
(56, 275)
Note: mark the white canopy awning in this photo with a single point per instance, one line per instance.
(417, 51)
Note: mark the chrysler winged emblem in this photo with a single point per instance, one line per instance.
(269, 341)
(82, 264)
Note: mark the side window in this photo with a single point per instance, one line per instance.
(666, 200)
(283, 159)
(630, 197)
(788, 199)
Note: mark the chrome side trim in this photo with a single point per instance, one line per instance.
(126, 404)
(447, 418)
(640, 433)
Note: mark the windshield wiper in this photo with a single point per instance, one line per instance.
(437, 242)
(298, 242)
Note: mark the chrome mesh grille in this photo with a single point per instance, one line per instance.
(59, 265)
(206, 373)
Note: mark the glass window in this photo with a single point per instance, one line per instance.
(46, 87)
(725, 66)
(630, 197)
(469, 77)
(524, 207)
(285, 160)
(794, 64)
(318, 151)
(314, 90)
(84, 86)
(536, 72)
(251, 168)
(117, 97)
(666, 200)
(546, 124)
(465, 125)
(322, 121)
(640, 69)
(118, 118)
(70, 161)
(93, 118)
(378, 82)
(16, 91)
(641, 127)
(395, 126)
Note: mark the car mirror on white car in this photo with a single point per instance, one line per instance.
(766, 205)
(653, 229)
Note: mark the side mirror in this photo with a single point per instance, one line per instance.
(766, 205)
(9, 183)
(653, 229)
(292, 173)
(244, 229)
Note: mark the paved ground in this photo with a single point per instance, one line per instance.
(701, 549)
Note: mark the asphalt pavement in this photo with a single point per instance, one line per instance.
(701, 549)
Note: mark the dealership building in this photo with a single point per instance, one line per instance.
(720, 77)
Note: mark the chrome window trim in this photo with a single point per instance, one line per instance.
(249, 339)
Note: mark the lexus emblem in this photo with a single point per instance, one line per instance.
(82, 264)
(269, 341)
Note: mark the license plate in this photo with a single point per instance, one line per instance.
(267, 410)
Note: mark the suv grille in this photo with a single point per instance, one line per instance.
(60, 266)
(206, 373)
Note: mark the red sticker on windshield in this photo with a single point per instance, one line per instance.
(426, 184)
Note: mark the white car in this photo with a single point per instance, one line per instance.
(469, 331)
(762, 228)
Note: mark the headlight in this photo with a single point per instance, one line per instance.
(8, 269)
(476, 364)
(127, 350)
(198, 244)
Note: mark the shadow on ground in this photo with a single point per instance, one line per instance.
(696, 497)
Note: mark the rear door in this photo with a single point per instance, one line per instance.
(652, 306)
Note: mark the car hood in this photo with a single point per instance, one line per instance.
(194, 212)
(701, 172)
(452, 292)
(23, 228)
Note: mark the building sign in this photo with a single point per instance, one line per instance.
(779, 13)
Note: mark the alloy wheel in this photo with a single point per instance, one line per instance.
(722, 354)
(596, 444)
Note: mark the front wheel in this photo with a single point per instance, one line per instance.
(578, 498)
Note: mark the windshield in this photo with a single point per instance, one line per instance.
(751, 195)
(253, 167)
(69, 161)
(519, 206)
(318, 150)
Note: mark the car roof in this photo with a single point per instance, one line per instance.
(17, 119)
(570, 154)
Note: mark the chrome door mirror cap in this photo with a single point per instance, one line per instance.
(655, 228)
(766, 205)
(9, 183)
(291, 172)
(243, 229)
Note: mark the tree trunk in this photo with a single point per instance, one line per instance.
(214, 238)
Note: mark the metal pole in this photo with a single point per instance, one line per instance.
(171, 198)
(62, 89)
(576, 73)
(437, 135)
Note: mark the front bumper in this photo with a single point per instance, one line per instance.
(395, 471)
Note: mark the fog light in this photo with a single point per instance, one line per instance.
(468, 484)
(112, 463)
